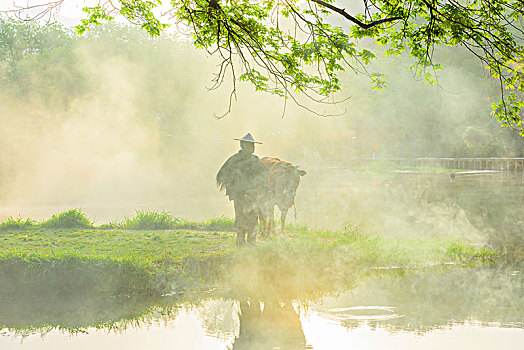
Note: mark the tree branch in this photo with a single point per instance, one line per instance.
(354, 19)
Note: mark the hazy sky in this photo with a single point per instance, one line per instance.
(69, 12)
(68, 8)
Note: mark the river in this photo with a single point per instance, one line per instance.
(445, 307)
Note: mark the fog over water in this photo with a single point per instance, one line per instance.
(124, 122)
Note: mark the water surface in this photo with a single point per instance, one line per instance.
(446, 307)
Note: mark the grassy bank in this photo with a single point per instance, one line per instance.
(155, 253)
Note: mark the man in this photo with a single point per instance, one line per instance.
(245, 179)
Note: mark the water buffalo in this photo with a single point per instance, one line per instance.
(283, 181)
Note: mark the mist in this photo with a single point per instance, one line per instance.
(116, 122)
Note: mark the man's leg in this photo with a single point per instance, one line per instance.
(240, 222)
(252, 224)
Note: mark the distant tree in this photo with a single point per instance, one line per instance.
(21, 40)
(417, 120)
(38, 62)
(288, 47)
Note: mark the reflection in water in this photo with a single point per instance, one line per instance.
(323, 334)
(268, 326)
(405, 300)
(434, 299)
(404, 309)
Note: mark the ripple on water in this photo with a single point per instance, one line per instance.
(364, 313)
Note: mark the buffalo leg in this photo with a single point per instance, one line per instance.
(241, 238)
(262, 218)
(251, 237)
(270, 214)
(283, 214)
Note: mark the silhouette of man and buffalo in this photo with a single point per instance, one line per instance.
(256, 186)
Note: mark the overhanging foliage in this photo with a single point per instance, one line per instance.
(290, 47)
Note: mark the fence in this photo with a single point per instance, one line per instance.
(493, 163)
(503, 164)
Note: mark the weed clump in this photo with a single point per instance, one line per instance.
(465, 252)
(151, 220)
(219, 224)
(74, 218)
(17, 224)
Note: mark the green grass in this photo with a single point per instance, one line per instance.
(74, 218)
(71, 273)
(69, 219)
(49, 277)
(142, 220)
(149, 248)
(194, 254)
(151, 220)
(219, 224)
(162, 255)
(17, 224)
(309, 262)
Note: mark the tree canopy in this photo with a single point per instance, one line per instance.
(294, 47)
(48, 76)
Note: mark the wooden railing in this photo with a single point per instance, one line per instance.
(502, 164)
(492, 163)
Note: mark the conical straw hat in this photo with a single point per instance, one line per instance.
(248, 138)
